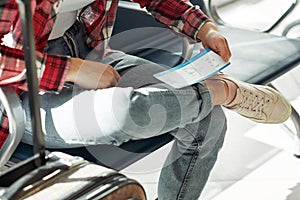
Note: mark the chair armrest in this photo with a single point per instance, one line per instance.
(12, 105)
(211, 7)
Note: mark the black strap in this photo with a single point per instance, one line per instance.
(30, 62)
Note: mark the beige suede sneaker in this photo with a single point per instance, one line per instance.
(259, 103)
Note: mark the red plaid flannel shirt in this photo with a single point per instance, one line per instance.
(178, 15)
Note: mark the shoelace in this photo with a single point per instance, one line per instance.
(252, 103)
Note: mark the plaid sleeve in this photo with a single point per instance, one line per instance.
(54, 73)
(51, 69)
(179, 15)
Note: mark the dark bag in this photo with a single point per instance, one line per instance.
(67, 177)
(57, 175)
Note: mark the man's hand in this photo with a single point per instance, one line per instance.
(211, 38)
(92, 75)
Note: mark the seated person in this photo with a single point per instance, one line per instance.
(91, 94)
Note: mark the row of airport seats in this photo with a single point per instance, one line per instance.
(262, 56)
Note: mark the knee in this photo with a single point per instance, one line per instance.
(126, 113)
(143, 118)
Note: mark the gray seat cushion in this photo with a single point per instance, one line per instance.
(260, 57)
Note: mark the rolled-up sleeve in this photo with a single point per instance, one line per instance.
(179, 15)
(51, 69)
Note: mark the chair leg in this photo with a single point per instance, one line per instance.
(295, 134)
(295, 118)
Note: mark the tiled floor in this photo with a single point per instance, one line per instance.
(256, 162)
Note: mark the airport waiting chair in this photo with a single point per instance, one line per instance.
(11, 105)
(263, 57)
(259, 57)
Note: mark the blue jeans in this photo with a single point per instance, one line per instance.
(138, 107)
